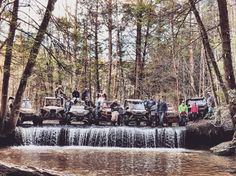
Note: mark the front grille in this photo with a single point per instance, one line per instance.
(52, 110)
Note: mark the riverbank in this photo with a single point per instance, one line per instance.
(14, 171)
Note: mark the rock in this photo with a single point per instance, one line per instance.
(224, 149)
(205, 134)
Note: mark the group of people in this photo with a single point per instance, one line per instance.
(74, 98)
(184, 110)
(160, 109)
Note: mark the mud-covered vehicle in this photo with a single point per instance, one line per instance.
(104, 113)
(201, 103)
(27, 113)
(80, 112)
(52, 110)
(134, 111)
(171, 116)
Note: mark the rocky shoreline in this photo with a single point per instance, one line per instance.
(13, 171)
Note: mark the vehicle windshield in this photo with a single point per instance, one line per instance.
(199, 102)
(74, 108)
(26, 104)
(136, 105)
(52, 102)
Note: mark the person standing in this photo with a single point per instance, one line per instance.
(89, 103)
(210, 104)
(85, 94)
(183, 112)
(162, 110)
(194, 111)
(75, 95)
(59, 93)
(114, 112)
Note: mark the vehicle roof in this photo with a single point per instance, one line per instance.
(137, 100)
(107, 101)
(51, 98)
(196, 98)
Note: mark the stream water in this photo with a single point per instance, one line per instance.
(102, 161)
(112, 151)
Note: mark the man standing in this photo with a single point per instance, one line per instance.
(85, 94)
(162, 110)
(59, 93)
(114, 112)
(75, 95)
(183, 113)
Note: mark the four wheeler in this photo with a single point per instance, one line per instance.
(134, 110)
(52, 110)
(104, 112)
(201, 103)
(171, 116)
(80, 112)
(27, 113)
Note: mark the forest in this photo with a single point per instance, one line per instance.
(127, 49)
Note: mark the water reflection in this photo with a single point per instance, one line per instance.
(114, 161)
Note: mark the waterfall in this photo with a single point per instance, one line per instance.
(102, 136)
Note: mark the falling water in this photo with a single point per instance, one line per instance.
(102, 136)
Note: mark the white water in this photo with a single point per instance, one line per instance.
(130, 137)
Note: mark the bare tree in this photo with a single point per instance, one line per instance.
(110, 27)
(29, 66)
(8, 59)
(227, 56)
(209, 52)
(138, 63)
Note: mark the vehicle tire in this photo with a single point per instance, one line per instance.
(126, 120)
(35, 122)
(119, 120)
(137, 122)
(149, 123)
(40, 122)
(19, 122)
(62, 122)
(96, 122)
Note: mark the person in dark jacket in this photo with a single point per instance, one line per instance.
(162, 109)
(88, 102)
(75, 95)
(85, 94)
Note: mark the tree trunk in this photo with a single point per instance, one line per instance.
(75, 69)
(8, 59)
(191, 59)
(119, 51)
(227, 57)
(138, 63)
(85, 57)
(29, 66)
(50, 69)
(109, 48)
(175, 65)
(226, 47)
(96, 49)
(208, 49)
